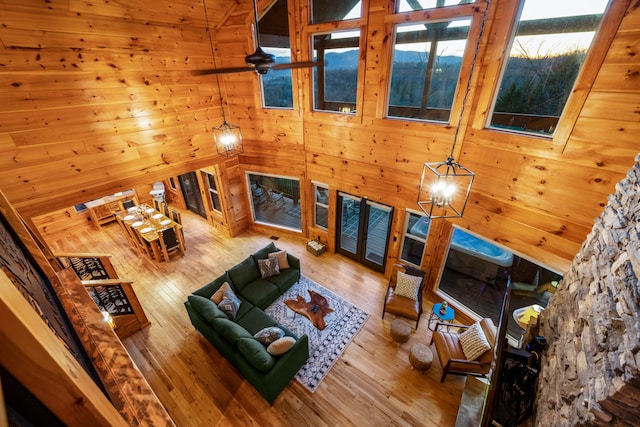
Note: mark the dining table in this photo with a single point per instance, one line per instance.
(149, 222)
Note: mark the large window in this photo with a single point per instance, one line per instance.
(274, 39)
(275, 200)
(547, 51)
(335, 84)
(426, 64)
(416, 229)
(321, 217)
(475, 275)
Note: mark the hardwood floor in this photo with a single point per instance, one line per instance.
(372, 384)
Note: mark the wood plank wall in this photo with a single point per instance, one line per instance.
(98, 97)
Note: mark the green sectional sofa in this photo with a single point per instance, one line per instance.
(234, 338)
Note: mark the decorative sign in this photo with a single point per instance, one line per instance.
(111, 299)
(88, 268)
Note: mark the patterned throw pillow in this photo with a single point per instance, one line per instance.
(268, 335)
(268, 267)
(217, 296)
(281, 346)
(230, 304)
(408, 286)
(283, 262)
(473, 341)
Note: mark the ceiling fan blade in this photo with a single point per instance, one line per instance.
(222, 71)
(296, 65)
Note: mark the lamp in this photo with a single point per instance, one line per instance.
(445, 186)
(227, 137)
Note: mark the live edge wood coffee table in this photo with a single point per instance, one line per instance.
(314, 310)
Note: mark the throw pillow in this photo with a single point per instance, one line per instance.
(269, 267)
(230, 304)
(256, 354)
(283, 262)
(268, 335)
(473, 341)
(217, 296)
(408, 286)
(281, 346)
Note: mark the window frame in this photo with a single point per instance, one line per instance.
(248, 174)
(317, 204)
(407, 235)
(213, 191)
(502, 29)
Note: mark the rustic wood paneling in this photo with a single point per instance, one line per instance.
(100, 96)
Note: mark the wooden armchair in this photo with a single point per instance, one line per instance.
(400, 305)
(452, 357)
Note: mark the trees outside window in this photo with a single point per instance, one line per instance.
(547, 52)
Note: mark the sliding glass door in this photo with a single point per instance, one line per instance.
(363, 229)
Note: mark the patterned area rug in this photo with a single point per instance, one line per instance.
(326, 346)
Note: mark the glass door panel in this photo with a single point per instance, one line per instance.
(363, 229)
(377, 234)
(349, 225)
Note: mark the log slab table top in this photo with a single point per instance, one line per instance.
(315, 310)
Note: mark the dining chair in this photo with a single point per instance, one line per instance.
(165, 210)
(128, 204)
(170, 243)
(175, 216)
(158, 205)
(404, 299)
(143, 246)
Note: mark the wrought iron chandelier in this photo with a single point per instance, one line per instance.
(445, 186)
(227, 137)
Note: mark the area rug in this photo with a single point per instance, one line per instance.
(326, 346)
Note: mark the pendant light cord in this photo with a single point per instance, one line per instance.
(468, 89)
(213, 55)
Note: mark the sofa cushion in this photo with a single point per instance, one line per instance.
(261, 292)
(264, 252)
(230, 303)
(230, 330)
(268, 335)
(408, 286)
(256, 354)
(254, 320)
(206, 308)
(285, 279)
(244, 273)
(283, 262)
(281, 346)
(268, 267)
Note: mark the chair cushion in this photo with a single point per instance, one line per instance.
(473, 342)
(402, 306)
(408, 286)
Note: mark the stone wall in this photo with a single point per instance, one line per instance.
(591, 370)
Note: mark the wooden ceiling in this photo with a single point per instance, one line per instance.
(99, 96)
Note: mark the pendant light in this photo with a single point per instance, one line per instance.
(227, 137)
(445, 186)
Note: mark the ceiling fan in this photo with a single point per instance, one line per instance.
(259, 61)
